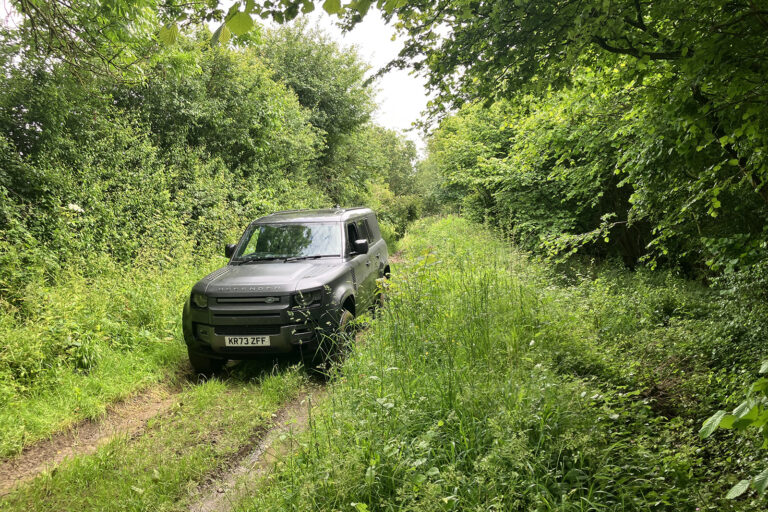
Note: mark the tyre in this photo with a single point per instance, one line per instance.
(332, 349)
(380, 299)
(203, 364)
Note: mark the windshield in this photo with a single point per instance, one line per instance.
(277, 241)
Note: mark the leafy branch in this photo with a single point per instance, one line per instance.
(752, 413)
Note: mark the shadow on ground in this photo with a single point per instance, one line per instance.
(237, 372)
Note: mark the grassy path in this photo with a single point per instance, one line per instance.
(123, 419)
(209, 427)
(485, 384)
(73, 349)
(239, 481)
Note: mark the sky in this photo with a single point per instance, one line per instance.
(7, 14)
(402, 96)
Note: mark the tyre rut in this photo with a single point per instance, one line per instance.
(228, 487)
(128, 417)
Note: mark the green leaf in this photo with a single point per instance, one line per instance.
(711, 424)
(221, 36)
(332, 6)
(240, 23)
(760, 386)
(742, 409)
(370, 475)
(168, 34)
(764, 367)
(727, 421)
(307, 7)
(745, 420)
(391, 5)
(760, 482)
(737, 490)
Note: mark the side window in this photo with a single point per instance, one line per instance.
(362, 227)
(351, 236)
(373, 227)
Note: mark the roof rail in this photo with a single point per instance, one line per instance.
(311, 209)
(289, 211)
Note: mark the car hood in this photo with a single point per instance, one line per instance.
(268, 277)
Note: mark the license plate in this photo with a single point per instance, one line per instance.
(246, 341)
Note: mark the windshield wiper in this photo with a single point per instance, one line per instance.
(255, 260)
(313, 257)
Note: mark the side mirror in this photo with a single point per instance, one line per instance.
(360, 246)
(229, 250)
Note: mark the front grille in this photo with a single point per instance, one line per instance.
(249, 300)
(246, 315)
(246, 330)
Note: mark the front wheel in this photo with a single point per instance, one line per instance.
(380, 298)
(332, 348)
(203, 364)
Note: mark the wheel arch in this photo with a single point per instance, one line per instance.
(349, 303)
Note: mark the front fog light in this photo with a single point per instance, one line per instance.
(200, 300)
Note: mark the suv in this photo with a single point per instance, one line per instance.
(294, 280)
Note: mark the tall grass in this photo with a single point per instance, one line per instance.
(72, 348)
(457, 400)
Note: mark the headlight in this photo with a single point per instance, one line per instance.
(200, 300)
(308, 298)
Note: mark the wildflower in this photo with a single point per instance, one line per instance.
(75, 208)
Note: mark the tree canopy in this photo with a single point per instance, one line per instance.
(658, 105)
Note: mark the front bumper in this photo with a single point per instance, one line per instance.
(289, 330)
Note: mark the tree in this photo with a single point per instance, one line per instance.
(329, 83)
(327, 79)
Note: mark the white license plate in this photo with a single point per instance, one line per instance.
(246, 341)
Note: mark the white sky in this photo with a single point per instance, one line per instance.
(401, 96)
(7, 14)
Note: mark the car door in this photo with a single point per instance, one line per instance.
(361, 269)
(371, 270)
(378, 252)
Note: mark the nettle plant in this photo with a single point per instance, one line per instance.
(751, 413)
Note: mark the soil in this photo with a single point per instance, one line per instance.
(231, 485)
(128, 417)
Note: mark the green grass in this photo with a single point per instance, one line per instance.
(71, 349)
(493, 383)
(489, 382)
(206, 429)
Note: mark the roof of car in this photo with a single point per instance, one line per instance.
(322, 215)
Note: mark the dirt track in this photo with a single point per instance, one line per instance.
(231, 485)
(128, 418)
